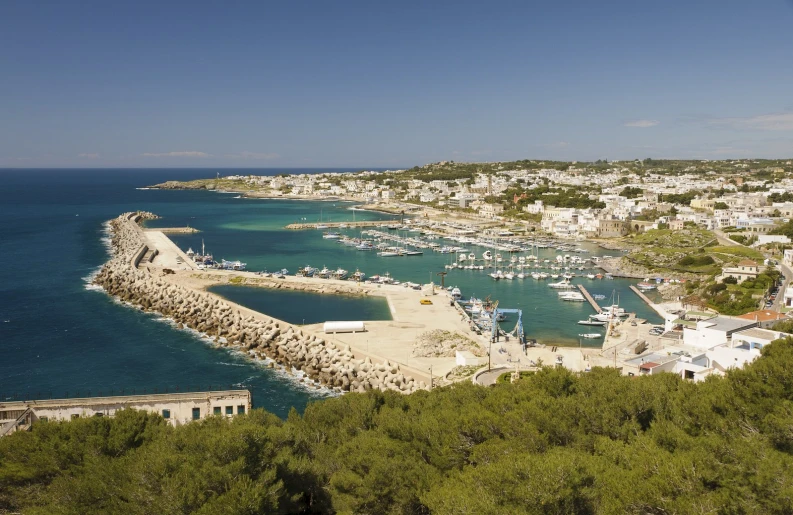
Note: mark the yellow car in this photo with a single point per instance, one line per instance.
(426, 302)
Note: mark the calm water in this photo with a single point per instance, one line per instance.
(59, 337)
(297, 307)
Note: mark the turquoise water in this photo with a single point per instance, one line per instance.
(59, 337)
(297, 307)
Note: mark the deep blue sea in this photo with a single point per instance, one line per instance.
(59, 337)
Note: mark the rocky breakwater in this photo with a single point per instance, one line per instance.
(260, 338)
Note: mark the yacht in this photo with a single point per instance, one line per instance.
(487, 255)
(456, 294)
(331, 236)
(592, 322)
(561, 285)
(590, 336)
(572, 296)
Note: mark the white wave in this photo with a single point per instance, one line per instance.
(296, 378)
(238, 196)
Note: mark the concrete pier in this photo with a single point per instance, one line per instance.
(658, 309)
(336, 225)
(589, 298)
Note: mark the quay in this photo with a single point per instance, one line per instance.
(658, 309)
(175, 230)
(175, 408)
(589, 298)
(335, 225)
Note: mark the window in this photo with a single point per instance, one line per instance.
(98, 415)
(229, 410)
(75, 416)
(196, 413)
(241, 409)
(166, 414)
(216, 410)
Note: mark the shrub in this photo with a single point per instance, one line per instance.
(730, 280)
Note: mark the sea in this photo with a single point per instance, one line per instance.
(60, 336)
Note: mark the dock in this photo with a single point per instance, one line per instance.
(174, 230)
(589, 298)
(658, 309)
(336, 225)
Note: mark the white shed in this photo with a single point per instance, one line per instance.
(344, 327)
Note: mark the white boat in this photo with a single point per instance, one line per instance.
(324, 273)
(645, 286)
(462, 257)
(387, 253)
(487, 255)
(358, 275)
(331, 236)
(472, 257)
(339, 273)
(590, 336)
(572, 296)
(561, 285)
(456, 294)
(592, 322)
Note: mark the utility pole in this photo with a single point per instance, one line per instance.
(430, 377)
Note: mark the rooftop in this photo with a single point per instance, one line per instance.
(726, 324)
(747, 262)
(763, 316)
(763, 334)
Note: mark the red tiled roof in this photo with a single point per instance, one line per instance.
(763, 316)
(747, 262)
(647, 366)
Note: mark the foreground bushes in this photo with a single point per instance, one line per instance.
(554, 442)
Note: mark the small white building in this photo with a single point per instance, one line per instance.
(746, 269)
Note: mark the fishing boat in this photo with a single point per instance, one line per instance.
(324, 273)
(358, 275)
(232, 265)
(339, 273)
(645, 286)
(590, 336)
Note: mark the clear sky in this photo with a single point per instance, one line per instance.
(379, 84)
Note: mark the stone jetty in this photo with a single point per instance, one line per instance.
(261, 338)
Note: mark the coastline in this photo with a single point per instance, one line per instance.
(132, 276)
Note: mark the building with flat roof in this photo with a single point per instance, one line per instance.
(176, 408)
(715, 331)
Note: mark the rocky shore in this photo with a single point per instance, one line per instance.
(264, 338)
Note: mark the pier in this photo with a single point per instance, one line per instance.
(658, 309)
(336, 225)
(175, 230)
(589, 298)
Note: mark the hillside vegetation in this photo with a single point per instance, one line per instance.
(689, 250)
(554, 442)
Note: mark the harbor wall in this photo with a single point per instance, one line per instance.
(260, 337)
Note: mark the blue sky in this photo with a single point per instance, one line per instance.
(371, 84)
